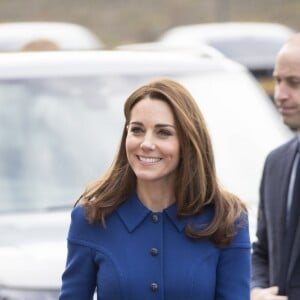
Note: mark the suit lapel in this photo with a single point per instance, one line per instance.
(295, 252)
(281, 187)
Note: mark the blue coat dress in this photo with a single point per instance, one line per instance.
(141, 255)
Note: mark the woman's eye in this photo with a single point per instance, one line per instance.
(164, 132)
(135, 129)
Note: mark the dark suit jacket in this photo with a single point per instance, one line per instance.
(267, 250)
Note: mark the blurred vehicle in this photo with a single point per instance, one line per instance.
(18, 36)
(61, 115)
(252, 44)
(202, 50)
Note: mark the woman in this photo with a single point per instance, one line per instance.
(157, 225)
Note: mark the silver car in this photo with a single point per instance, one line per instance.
(253, 44)
(21, 36)
(61, 116)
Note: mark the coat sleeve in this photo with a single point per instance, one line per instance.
(79, 277)
(234, 268)
(260, 261)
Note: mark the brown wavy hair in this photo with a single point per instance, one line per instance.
(196, 185)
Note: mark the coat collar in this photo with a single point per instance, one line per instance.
(132, 212)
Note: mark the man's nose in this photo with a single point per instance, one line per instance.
(281, 92)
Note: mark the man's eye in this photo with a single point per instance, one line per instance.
(276, 80)
(294, 83)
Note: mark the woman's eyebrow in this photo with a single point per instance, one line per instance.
(135, 123)
(156, 125)
(165, 125)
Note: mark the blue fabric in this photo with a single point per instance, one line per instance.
(118, 260)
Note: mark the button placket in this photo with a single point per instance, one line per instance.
(155, 218)
(154, 252)
(154, 286)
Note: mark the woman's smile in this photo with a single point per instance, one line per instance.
(150, 160)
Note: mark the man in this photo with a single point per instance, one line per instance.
(276, 253)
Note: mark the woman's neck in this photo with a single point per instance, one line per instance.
(156, 197)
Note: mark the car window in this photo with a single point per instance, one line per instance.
(245, 48)
(56, 135)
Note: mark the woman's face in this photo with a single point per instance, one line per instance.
(152, 143)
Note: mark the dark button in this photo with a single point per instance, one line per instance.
(154, 251)
(154, 286)
(155, 218)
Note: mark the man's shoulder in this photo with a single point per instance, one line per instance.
(285, 148)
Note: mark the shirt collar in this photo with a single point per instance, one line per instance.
(132, 212)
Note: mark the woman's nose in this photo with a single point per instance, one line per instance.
(147, 143)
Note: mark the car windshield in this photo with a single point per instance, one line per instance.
(56, 135)
(59, 134)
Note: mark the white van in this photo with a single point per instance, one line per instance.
(60, 123)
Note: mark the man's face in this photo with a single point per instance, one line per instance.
(287, 87)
